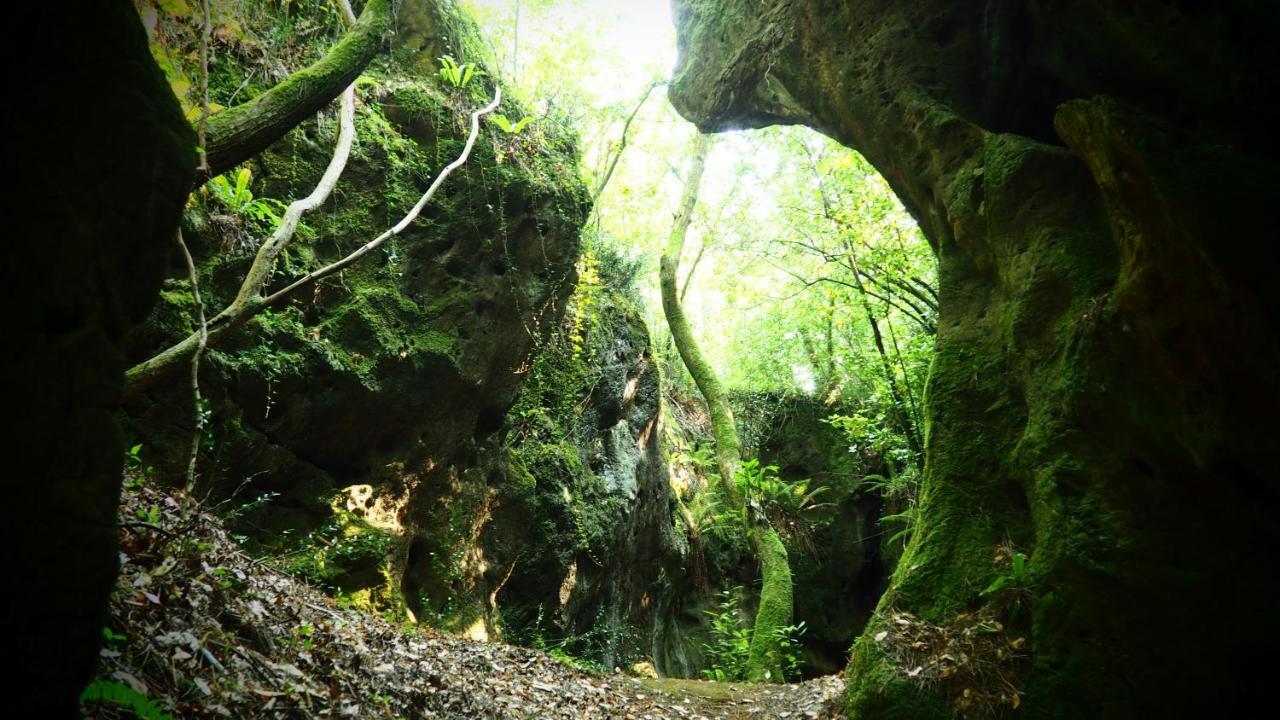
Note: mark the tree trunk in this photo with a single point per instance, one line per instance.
(902, 417)
(238, 133)
(765, 660)
(1103, 394)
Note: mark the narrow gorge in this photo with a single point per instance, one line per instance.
(591, 359)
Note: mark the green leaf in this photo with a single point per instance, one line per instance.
(242, 194)
(996, 585)
(502, 121)
(117, 693)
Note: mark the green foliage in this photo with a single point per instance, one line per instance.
(905, 521)
(507, 126)
(239, 199)
(117, 693)
(584, 651)
(112, 638)
(1013, 578)
(1010, 587)
(871, 433)
(136, 472)
(788, 506)
(149, 515)
(900, 488)
(730, 646)
(455, 74)
(344, 544)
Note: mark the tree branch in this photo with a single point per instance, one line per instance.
(237, 134)
(202, 341)
(622, 144)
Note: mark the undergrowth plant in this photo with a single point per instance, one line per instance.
(787, 505)
(238, 198)
(730, 645)
(455, 74)
(114, 692)
(508, 127)
(1010, 587)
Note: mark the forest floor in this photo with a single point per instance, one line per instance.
(198, 628)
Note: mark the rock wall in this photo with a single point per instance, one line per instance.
(1103, 396)
(587, 435)
(360, 409)
(91, 208)
(839, 563)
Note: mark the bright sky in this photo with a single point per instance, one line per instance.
(632, 40)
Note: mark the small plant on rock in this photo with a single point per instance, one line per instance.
(730, 646)
(455, 74)
(239, 199)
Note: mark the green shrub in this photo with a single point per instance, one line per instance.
(730, 645)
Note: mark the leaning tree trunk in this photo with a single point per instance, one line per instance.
(765, 659)
(1103, 395)
(238, 133)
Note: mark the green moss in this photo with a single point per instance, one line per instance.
(765, 661)
(874, 682)
(346, 556)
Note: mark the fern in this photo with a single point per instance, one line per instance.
(509, 127)
(455, 74)
(239, 199)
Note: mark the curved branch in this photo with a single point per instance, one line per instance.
(237, 134)
(404, 222)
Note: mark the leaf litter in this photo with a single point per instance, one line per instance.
(206, 631)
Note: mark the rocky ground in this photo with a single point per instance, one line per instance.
(198, 628)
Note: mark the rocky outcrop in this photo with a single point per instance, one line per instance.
(603, 545)
(1102, 398)
(92, 205)
(360, 409)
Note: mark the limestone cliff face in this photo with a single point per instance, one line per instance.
(1103, 396)
(598, 545)
(92, 204)
(360, 408)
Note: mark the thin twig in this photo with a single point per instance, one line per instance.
(195, 363)
(204, 89)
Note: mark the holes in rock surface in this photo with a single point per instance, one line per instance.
(608, 415)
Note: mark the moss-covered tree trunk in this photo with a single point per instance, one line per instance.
(1103, 396)
(765, 660)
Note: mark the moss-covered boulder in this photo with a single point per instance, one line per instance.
(1103, 398)
(356, 408)
(835, 548)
